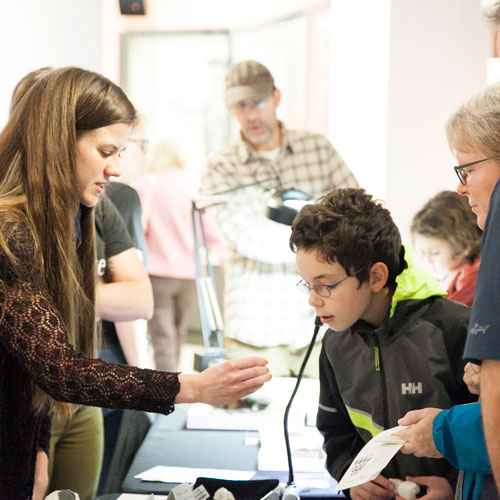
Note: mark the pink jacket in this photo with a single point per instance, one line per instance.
(166, 202)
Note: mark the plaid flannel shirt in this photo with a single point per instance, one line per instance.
(262, 305)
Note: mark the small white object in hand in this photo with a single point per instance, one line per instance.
(223, 494)
(405, 489)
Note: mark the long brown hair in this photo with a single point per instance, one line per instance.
(37, 188)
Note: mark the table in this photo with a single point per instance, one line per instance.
(169, 443)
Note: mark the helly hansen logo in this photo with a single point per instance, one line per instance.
(477, 328)
(411, 388)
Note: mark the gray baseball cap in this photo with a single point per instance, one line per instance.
(248, 80)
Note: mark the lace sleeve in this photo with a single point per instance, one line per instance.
(32, 331)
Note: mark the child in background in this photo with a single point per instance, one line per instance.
(447, 240)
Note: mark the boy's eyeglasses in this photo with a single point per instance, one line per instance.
(143, 144)
(324, 290)
(462, 174)
(251, 104)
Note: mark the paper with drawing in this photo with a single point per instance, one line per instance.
(370, 461)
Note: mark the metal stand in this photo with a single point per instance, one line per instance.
(210, 316)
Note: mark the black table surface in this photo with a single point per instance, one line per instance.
(169, 443)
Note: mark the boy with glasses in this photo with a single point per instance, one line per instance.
(394, 343)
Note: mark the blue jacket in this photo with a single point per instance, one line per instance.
(459, 437)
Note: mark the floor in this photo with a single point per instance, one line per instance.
(194, 345)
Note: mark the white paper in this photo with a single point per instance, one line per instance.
(165, 474)
(306, 445)
(203, 416)
(370, 461)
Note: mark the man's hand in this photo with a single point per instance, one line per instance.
(224, 383)
(418, 437)
(438, 488)
(472, 377)
(379, 488)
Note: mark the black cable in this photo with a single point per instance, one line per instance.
(317, 325)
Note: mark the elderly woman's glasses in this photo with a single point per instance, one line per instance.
(324, 290)
(462, 174)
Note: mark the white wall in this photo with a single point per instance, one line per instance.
(438, 57)
(359, 82)
(35, 33)
(398, 70)
(163, 15)
(394, 89)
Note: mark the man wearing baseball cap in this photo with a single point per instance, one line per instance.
(264, 313)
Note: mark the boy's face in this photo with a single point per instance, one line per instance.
(348, 301)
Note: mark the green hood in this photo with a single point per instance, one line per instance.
(414, 283)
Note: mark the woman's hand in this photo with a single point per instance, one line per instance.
(418, 435)
(438, 488)
(224, 383)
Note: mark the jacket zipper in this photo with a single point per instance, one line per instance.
(377, 358)
(379, 366)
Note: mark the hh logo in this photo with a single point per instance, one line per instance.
(411, 388)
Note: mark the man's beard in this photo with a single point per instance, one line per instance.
(263, 136)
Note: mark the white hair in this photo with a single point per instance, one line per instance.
(491, 11)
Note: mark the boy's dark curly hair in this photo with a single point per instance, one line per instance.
(347, 226)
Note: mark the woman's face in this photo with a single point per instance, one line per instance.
(481, 180)
(436, 255)
(97, 160)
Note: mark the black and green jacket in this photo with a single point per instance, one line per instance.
(370, 377)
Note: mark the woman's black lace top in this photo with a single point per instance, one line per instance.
(34, 347)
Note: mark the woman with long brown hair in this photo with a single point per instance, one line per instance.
(57, 153)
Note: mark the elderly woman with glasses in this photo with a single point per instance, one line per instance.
(457, 434)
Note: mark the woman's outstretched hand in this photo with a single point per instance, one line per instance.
(224, 383)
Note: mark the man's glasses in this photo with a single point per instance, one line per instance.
(462, 174)
(324, 290)
(143, 143)
(251, 104)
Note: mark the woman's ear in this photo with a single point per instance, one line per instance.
(379, 273)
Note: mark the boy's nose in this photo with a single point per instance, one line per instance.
(314, 299)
